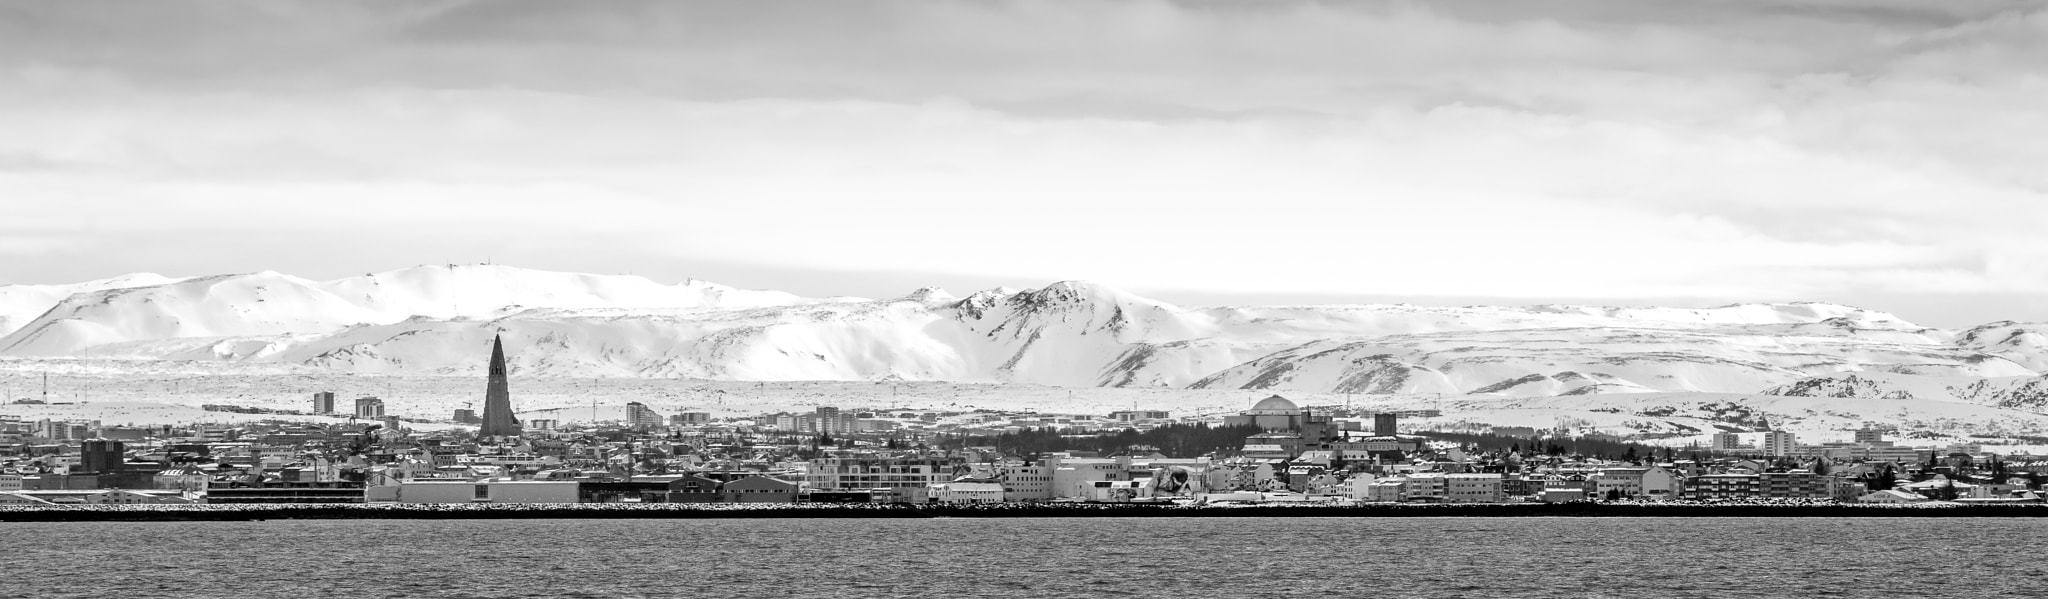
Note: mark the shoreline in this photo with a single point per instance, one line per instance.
(254, 512)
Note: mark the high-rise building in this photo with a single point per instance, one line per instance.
(689, 419)
(1778, 443)
(100, 456)
(1726, 442)
(1869, 436)
(498, 420)
(323, 402)
(369, 407)
(1385, 424)
(826, 419)
(466, 416)
(642, 418)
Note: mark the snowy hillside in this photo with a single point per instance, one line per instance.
(269, 304)
(21, 304)
(1684, 418)
(438, 320)
(2018, 392)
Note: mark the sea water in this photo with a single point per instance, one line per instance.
(1032, 557)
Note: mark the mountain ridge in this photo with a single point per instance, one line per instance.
(432, 319)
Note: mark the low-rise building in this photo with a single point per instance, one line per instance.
(1891, 496)
(463, 491)
(759, 489)
(967, 491)
(1472, 488)
(1724, 486)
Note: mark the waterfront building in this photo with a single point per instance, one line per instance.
(1724, 486)
(1075, 477)
(1472, 488)
(1386, 490)
(1795, 483)
(1650, 482)
(1026, 481)
(495, 491)
(758, 489)
(862, 473)
(1891, 496)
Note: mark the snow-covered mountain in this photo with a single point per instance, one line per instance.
(2018, 392)
(439, 320)
(20, 304)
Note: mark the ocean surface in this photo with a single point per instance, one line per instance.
(1032, 557)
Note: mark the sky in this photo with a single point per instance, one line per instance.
(1879, 153)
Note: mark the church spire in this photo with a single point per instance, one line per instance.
(498, 420)
(497, 356)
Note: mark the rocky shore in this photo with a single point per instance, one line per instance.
(248, 512)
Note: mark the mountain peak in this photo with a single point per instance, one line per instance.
(927, 295)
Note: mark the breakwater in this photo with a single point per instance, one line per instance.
(246, 512)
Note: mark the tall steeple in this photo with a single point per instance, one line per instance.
(498, 420)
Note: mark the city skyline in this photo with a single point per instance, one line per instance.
(1871, 154)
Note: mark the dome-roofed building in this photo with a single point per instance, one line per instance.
(1274, 413)
(1274, 406)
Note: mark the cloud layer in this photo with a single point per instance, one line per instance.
(1860, 152)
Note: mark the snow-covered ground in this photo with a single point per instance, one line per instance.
(439, 320)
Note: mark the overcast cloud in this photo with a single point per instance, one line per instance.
(1885, 154)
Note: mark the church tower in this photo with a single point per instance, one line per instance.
(498, 420)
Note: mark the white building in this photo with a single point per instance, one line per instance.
(966, 491)
(1359, 486)
(864, 473)
(1075, 477)
(1893, 496)
(1653, 482)
(1026, 482)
